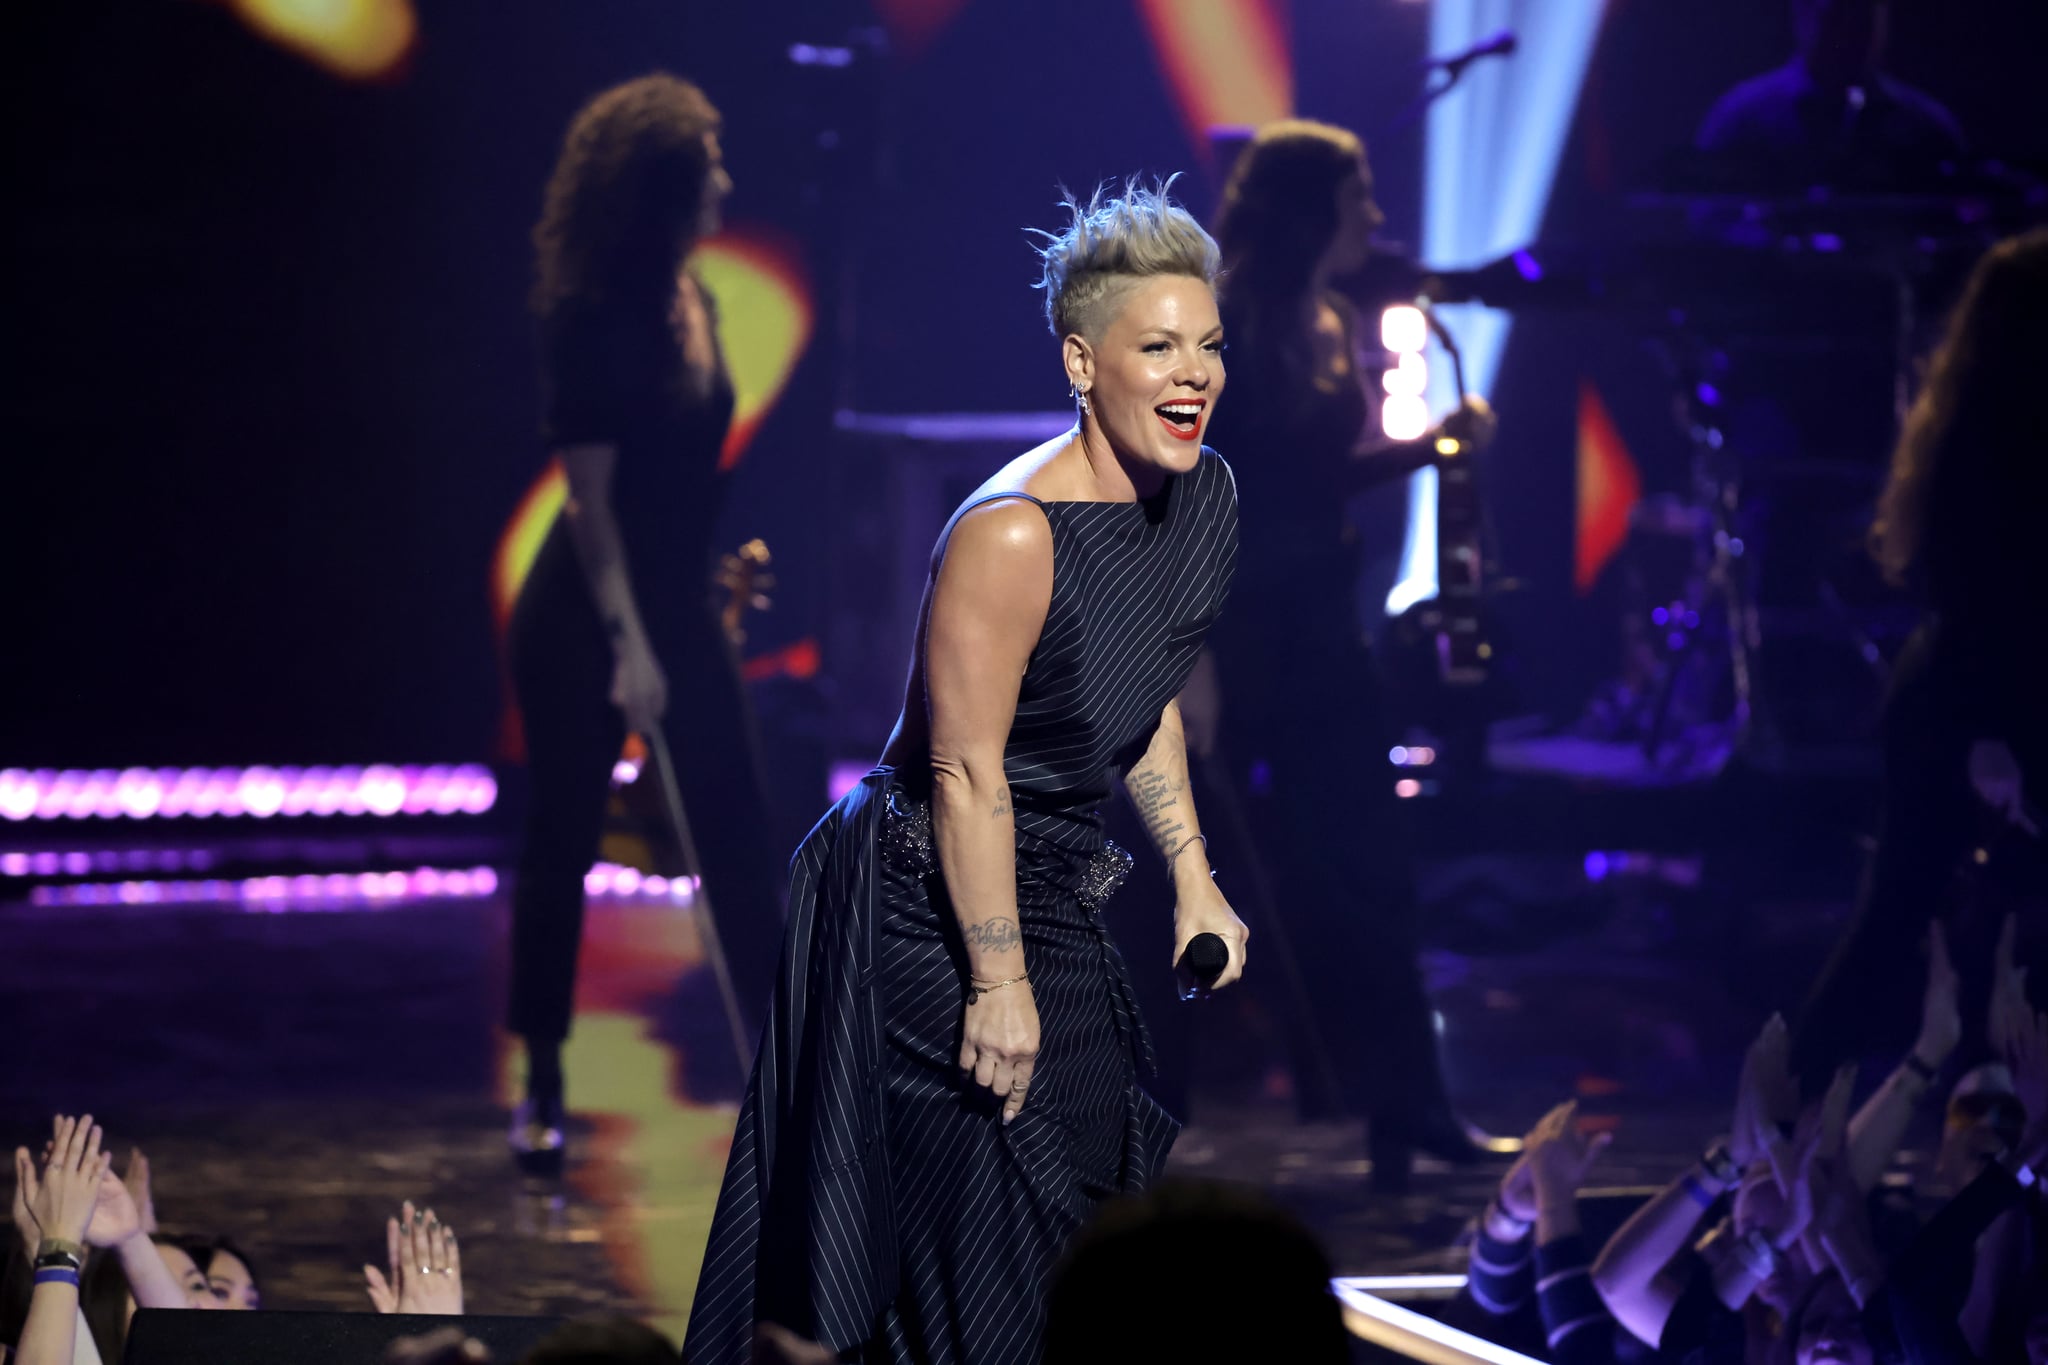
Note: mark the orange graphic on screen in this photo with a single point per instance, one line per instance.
(764, 324)
(357, 40)
(1227, 60)
(913, 24)
(1609, 489)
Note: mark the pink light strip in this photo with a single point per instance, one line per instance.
(81, 863)
(605, 881)
(609, 881)
(380, 789)
(274, 894)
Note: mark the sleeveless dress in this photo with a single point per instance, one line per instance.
(874, 1200)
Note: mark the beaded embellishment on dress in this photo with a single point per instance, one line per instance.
(907, 842)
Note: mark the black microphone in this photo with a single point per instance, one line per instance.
(1501, 44)
(1205, 958)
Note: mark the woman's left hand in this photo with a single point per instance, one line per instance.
(1201, 909)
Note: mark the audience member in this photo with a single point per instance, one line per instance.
(1137, 1284)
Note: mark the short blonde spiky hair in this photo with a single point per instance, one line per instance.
(1113, 240)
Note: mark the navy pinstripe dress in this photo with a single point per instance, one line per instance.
(874, 1199)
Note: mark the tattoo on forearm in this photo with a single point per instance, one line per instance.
(994, 935)
(1155, 794)
(1002, 804)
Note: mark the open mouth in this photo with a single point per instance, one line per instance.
(1182, 418)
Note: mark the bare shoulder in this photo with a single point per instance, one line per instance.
(1040, 472)
(1008, 534)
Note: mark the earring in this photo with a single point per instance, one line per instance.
(1079, 395)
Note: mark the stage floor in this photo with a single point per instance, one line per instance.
(294, 1074)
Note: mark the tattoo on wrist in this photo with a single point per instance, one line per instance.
(1002, 804)
(994, 935)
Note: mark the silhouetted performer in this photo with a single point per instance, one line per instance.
(1303, 728)
(1966, 727)
(615, 626)
(1829, 116)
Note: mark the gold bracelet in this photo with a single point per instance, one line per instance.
(1174, 857)
(976, 990)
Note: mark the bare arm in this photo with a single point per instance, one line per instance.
(988, 605)
(149, 1279)
(51, 1329)
(989, 600)
(1880, 1125)
(1158, 787)
(594, 530)
(1631, 1273)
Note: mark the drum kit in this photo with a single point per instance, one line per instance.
(1780, 293)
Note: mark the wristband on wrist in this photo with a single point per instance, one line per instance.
(60, 1246)
(1914, 1064)
(1701, 1195)
(57, 1274)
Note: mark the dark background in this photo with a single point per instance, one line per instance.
(270, 392)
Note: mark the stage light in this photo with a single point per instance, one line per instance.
(1404, 417)
(1409, 377)
(1492, 152)
(382, 790)
(1404, 330)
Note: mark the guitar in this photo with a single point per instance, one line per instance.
(1456, 618)
(745, 578)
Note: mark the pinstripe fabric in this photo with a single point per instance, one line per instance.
(872, 1200)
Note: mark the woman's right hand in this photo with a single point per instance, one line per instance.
(426, 1266)
(999, 1044)
(639, 687)
(61, 1203)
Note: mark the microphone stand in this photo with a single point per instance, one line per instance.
(1453, 68)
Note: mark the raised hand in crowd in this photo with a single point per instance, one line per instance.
(425, 1274)
(2008, 1010)
(58, 1205)
(1880, 1125)
(118, 1225)
(1766, 1096)
(1819, 1147)
(1560, 1157)
(136, 1179)
(2026, 1052)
